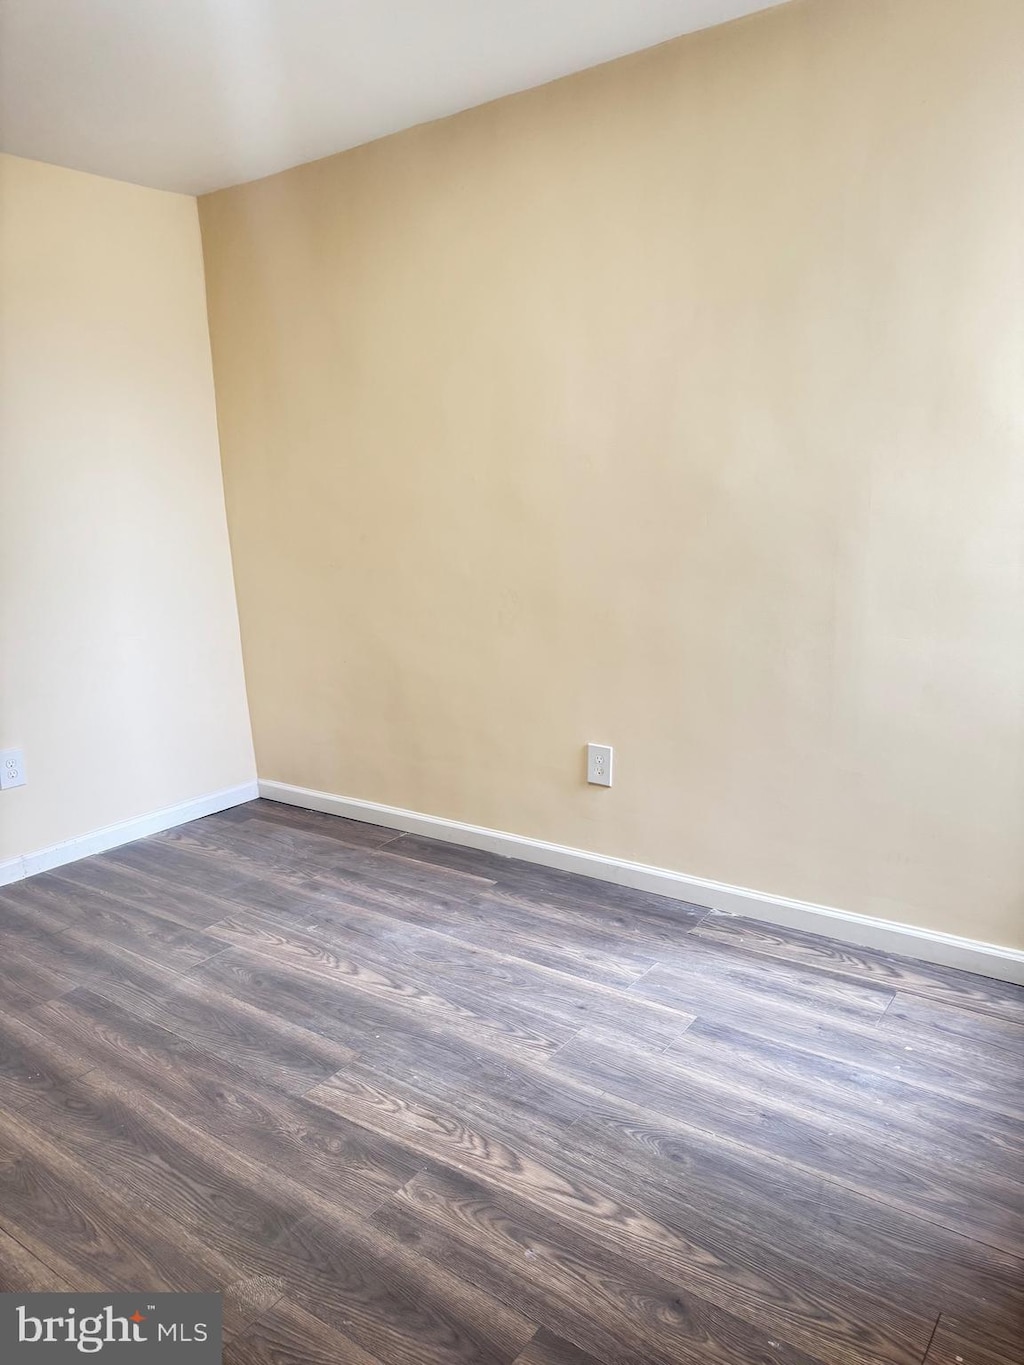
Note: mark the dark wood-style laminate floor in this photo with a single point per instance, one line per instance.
(407, 1103)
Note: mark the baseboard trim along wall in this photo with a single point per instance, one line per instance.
(11, 870)
(124, 832)
(949, 950)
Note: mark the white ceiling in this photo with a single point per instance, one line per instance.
(196, 94)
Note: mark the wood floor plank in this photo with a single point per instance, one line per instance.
(569, 999)
(617, 1308)
(455, 857)
(644, 911)
(468, 1133)
(391, 1301)
(943, 1191)
(547, 1349)
(765, 1207)
(640, 915)
(957, 1344)
(708, 980)
(87, 1237)
(587, 922)
(169, 1168)
(959, 1068)
(456, 909)
(192, 869)
(544, 885)
(605, 929)
(189, 905)
(246, 1300)
(97, 1033)
(243, 846)
(942, 985)
(91, 1034)
(31, 972)
(497, 990)
(355, 1005)
(102, 917)
(909, 1017)
(456, 1002)
(32, 1063)
(436, 926)
(102, 965)
(288, 1335)
(248, 1213)
(588, 950)
(356, 833)
(23, 1273)
(35, 908)
(389, 976)
(255, 1040)
(331, 1156)
(890, 1110)
(81, 1226)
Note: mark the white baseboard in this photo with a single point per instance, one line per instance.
(987, 959)
(112, 836)
(11, 870)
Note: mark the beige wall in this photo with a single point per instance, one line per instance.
(120, 667)
(677, 405)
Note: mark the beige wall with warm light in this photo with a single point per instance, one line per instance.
(678, 405)
(120, 664)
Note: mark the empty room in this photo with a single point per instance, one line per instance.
(512, 682)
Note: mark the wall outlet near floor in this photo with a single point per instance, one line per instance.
(12, 768)
(599, 764)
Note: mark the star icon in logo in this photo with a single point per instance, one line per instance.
(137, 1317)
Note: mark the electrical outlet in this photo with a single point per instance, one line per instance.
(599, 764)
(12, 768)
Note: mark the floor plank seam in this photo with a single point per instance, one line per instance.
(645, 973)
(546, 1061)
(254, 1323)
(203, 961)
(879, 1017)
(396, 838)
(207, 960)
(532, 1342)
(938, 1319)
(34, 1255)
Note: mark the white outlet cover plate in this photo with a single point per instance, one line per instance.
(12, 768)
(599, 765)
